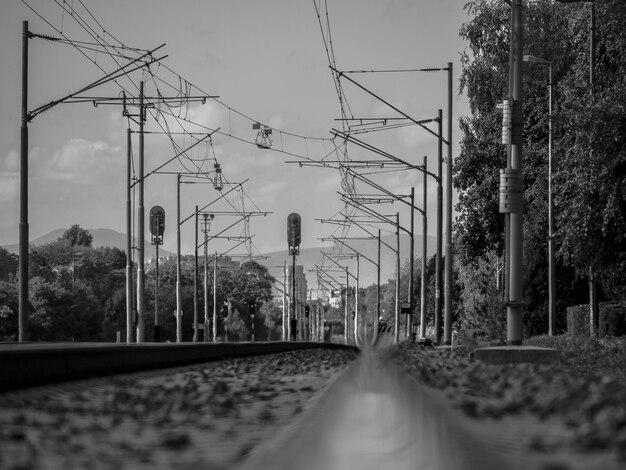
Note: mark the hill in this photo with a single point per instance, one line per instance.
(101, 237)
(308, 257)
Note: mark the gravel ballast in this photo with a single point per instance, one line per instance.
(551, 410)
(204, 416)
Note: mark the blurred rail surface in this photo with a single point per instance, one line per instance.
(375, 417)
(29, 364)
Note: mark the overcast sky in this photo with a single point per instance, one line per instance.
(264, 59)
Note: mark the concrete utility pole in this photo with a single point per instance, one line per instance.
(447, 328)
(438, 263)
(195, 279)
(23, 241)
(356, 303)
(515, 303)
(141, 288)
(409, 321)
(424, 255)
(285, 322)
(345, 329)
(129, 244)
(215, 298)
(179, 324)
(207, 321)
(397, 318)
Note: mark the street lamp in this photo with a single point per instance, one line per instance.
(551, 272)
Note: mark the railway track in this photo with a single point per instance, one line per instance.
(316, 407)
(206, 415)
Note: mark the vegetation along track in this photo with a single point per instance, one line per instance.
(208, 415)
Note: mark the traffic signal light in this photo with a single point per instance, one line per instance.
(293, 229)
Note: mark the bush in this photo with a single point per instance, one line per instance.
(612, 319)
(578, 320)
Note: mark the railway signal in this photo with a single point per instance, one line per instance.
(157, 228)
(293, 239)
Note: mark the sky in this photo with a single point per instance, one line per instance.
(267, 62)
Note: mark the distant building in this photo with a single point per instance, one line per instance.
(335, 302)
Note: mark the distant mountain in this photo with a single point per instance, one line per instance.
(308, 257)
(101, 237)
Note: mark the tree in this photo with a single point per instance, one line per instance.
(481, 300)
(8, 264)
(592, 173)
(78, 236)
(60, 314)
(272, 316)
(250, 283)
(9, 306)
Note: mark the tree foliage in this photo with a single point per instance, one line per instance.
(77, 236)
(8, 264)
(78, 293)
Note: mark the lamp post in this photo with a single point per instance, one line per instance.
(551, 264)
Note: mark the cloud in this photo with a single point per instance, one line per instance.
(210, 114)
(9, 188)
(270, 189)
(415, 136)
(278, 122)
(328, 182)
(11, 163)
(85, 162)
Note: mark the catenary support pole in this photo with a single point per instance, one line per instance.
(215, 298)
(409, 321)
(178, 292)
(356, 303)
(23, 310)
(195, 280)
(438, 260)
(424, 254)
(447, 327)
(345, 316)
(141, 253)
(515, 301)
(285, 322)
(207, 322)
(129, 243)
(397, 317)
(377, 319)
